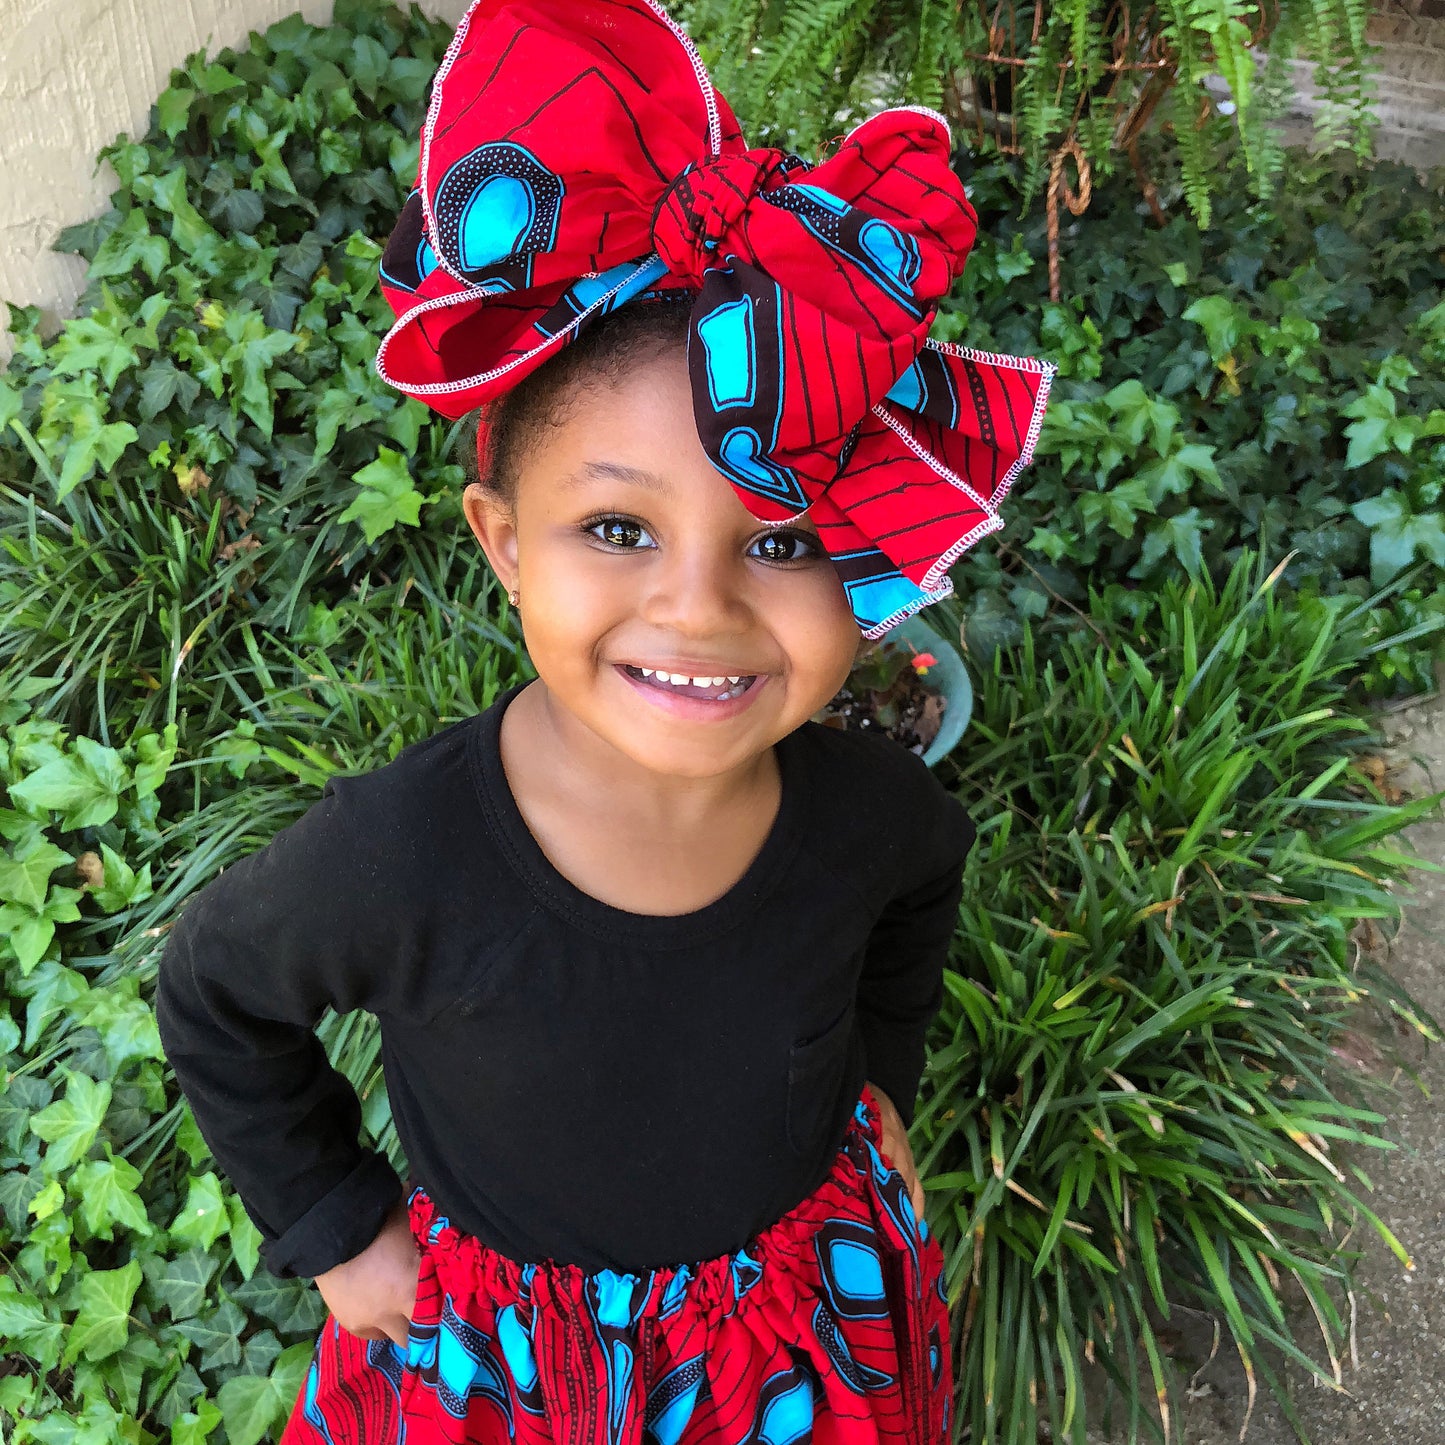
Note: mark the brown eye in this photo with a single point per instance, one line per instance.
(620, 532)
(784, 546)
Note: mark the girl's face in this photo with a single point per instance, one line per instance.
(630, 551)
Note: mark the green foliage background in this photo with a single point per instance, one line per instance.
(233, 563)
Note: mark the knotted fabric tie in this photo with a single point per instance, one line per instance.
(705, 203)
(576, 156)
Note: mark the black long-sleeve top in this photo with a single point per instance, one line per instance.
(569, 1080)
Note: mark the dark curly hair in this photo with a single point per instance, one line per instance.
(600, 354)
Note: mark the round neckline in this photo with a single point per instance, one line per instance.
(554, 889)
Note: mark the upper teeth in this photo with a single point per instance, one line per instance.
(681, 680)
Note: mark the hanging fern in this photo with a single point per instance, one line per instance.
(803, 71)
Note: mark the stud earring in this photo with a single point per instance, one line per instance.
(514, 597)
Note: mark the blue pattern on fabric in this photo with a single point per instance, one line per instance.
(895, 256)
(674, 1295)
(746, 1272)
(909, 390)
(590, 289)
(453, 1360)
(890, 257)
(497, 203)
(313, 1416)
(517, 1349)
(730, 353)
(876, 597)
(745, 458)
(672, 1400)
(619, 1388)
(495, 221)
(859, 1378)
(786, 1407)
(854, 1277)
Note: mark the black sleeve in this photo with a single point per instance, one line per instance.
(901, 985)
(258, 953)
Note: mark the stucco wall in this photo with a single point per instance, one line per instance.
(73, 75)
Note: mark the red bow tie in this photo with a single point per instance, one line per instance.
(576, 156)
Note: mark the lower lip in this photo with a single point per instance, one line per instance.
(701, 708)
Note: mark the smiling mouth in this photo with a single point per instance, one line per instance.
(716, 689)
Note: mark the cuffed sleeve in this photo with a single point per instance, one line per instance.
(901, 985)
(255, 958)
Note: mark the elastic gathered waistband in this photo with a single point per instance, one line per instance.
(719, 1282)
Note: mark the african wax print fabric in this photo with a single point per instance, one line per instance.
(829, 1326)
(576, 157)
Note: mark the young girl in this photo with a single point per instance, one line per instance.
(653, 953)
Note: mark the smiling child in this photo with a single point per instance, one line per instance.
(654, 954)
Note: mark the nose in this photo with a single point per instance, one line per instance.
(698, 589)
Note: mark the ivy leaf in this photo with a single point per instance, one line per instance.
(18, 1190)
(122, 1374)
(1118, 505)
(132, 244)
(73, 420)
(195, 1426)
(189, 230)
(1182, 535)
(23, 1096)
(189, 1138)
(125, 1022)
(368, 64)
(1396, 534)
(70, 1124)
(155, 754)
(286, 1303)
(387, 496)
(89, 344)
(245, 1238)
(104, 1192)
(30, 934)
(1224, 323)
(1176, 473)
(202, 1219)
(163, 383)
(25, 878)
(253, 352)
(181, 1284)
(347, 405)
(1369, 433)
(51, 988)
(24, 1322)
(252, 1404)
(121, 885)
(103, 1323)
(173, 110)
(217, 1333)
(83, 786)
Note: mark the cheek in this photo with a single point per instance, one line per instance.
(817, 628)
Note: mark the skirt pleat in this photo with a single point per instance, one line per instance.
(830, 1327)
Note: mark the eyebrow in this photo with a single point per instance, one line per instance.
(617, 472)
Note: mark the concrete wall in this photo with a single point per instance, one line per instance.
(73, 75)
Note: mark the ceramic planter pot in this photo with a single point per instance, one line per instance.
(948, 676)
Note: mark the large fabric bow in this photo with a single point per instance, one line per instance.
(576, 156)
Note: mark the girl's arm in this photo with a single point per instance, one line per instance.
(255, 958)
(901, 985)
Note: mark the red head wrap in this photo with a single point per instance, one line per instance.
(576, 156)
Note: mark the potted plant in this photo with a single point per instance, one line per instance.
(910, 685)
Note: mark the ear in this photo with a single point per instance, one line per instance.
(495, 527)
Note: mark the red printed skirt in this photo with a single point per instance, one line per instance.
(829, 1327)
